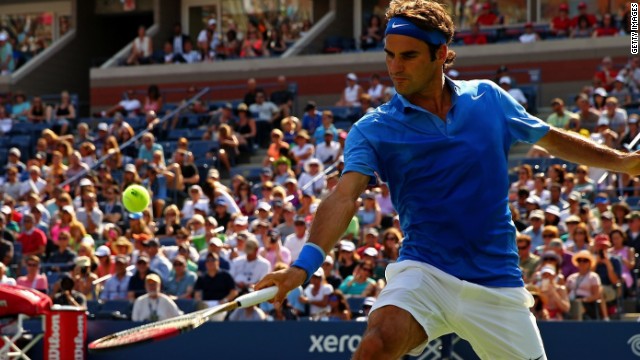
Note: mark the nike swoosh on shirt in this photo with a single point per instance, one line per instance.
(393, 26)
(476, 97)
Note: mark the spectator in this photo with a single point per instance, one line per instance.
(273, 250)
(7, 63)
(142, 48)
(584, 287)
(63, 114)
(517, 94)
(529, 35)
(264, 110)
(348, 260)
(583, 29)
(534, 231)
(178, 39)
(229, 146)
(583, 14)
(326, 126)
(33, 240)
(20, 108)
(620, 91)
(528, 261)
(37, 111)
(252, 90)
(369, 215)
(609, 268)
(295, 241)
(251, 313)
(253, 46)
(158, 263)
(584, 184)
(275, 148)
(283, 97)
(312, 118)
(373, 34)
(215, 286)
(4, 279)
(136, 282)
(115, 288)
(317, 295)
(67, 295)
(245, 127)
(560, 116)
(627, 256)
(351, 93)
(153, 306)
(14, 161)
(475, 37)
(90, 215)
(360, 283)
(561, 23)
(34, 279)
(181, 282)
(366, 307)
(616, 117)
(588, 116)
(63, 255)
(208, 37)
(106, 266)
(486, 16)
(129, 106)
(251, 267)
(606, 28)
(276, 45)
(191, 56)
(606, 76)
(84, 277)
(556, 298)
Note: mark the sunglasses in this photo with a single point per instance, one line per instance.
(178, 264)
(523, 247)
(368, 269)
(583, 261)
(547, 236)
(32, 264)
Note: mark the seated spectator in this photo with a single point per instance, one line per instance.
(229, 146)
(90, 215)
(517, 94)
(583, 14)
(33, 240)
(215, 286)
(560, 116)
(620, 91)
(317, 295)
(276, 45)
(7, 63)
(180, 283)
(616, 116)
(584, 287)
(4, 279)
(253, 45)
(360, 283)
(84, 277)
(606, 75)
(561, 23)
(475, 37)
(583, 28)
(115, 288)
(263, 109)
(20, 108)
(251, 313)
(63, 114)
(129, 106)
(37, 112)
(158, 263)
(63, 255)
(34, 279)
(529, 35)
(154, 306)
(136, 283)
(348, 260)
(367, 304)
(373, 34)
(142, 48)
(351, 93)
(106, 266)
(67, 295)
(607, 27)
(609, 267)
(248, 269)
(487, 16)
(627, 256)
(539, 308)
(312, 118)
(369, 215)
(273, 250)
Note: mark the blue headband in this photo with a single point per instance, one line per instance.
(402, 26)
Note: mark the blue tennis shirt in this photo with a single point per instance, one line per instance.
(449, 179)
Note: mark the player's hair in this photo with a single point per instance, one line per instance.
(428, 15)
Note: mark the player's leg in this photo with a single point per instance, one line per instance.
(391, 333)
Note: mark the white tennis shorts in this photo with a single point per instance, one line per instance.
(495, 321)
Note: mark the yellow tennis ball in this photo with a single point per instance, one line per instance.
(135, 198)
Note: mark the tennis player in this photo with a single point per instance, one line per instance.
(442, 147)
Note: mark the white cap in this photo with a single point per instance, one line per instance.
(352, 76)
(241, 220)
(548, 269)
(553, 210)
(4, 36)
(600, 91)
(201, 206)
(6, 210)
(69, 209)
(130, 168)
(212, 22)
(14, 151)
(347, 245)
(603, 121)
(198, 218)
(264, 206)
(538, 214)
(103, 126)
(505, 80)
(319, 273)
(103, 251)
(371, 251)
(88, 241)
(533, 199)
(86, 182)
(328, 259)
(215, 241)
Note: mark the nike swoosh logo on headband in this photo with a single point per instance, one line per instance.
(394, 25)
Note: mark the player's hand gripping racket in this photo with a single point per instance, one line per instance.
(167, 328)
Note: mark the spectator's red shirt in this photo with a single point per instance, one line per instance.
(475, 39)
(487, 19)
(590, 17)
(560, 24)
(609, 31)
(31, 242)
(605, 75)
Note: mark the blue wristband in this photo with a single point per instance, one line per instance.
(310, 259)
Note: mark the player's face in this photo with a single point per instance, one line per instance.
(409, 64)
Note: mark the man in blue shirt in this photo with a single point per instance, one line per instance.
(442, 147)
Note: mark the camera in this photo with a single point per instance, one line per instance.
(84, 270)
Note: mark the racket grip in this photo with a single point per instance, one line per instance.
(257, 297)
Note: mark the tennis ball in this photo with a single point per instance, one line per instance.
(135, 198)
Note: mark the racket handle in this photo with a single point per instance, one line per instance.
(257, 297)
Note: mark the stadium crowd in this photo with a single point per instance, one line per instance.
(65, 232)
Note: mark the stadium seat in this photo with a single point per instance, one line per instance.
(176, 134)
(355, 303)
(167, 241)
(115, 309)
(93, 307)
(200, 148)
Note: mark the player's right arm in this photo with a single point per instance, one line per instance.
(331, 220)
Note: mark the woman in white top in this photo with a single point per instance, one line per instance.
(351, 94)
(4, 279)
(376, 90)
(529, 35)
(317, 294)
(196, 197)
(303, 150)
(142, 48)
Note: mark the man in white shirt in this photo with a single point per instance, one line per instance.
(90, 215)
(505, 83)
(203, 36)
(154, 306)
(328, 151)
(296, 241)
(248, 269)
(264, 110)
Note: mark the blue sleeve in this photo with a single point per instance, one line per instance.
(360, 156)
(521, 125)
(162, 187)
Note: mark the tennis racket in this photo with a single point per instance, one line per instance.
(171, 327)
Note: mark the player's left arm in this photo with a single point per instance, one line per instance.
(578, 149)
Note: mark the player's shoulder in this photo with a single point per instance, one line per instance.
(383, 114)
(474, 87)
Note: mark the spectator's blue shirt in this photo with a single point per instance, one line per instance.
(311, 123)
(448, 179)
(319, 133)
(19, 108)
(147, 154)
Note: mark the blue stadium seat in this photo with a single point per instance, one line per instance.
(344, 125)
(186, 305)
(52, 279)
(199, 148)
(355, 303)
(167, 241)
(93, 307)
(115, 308)
(176, 134)
(24, 128)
